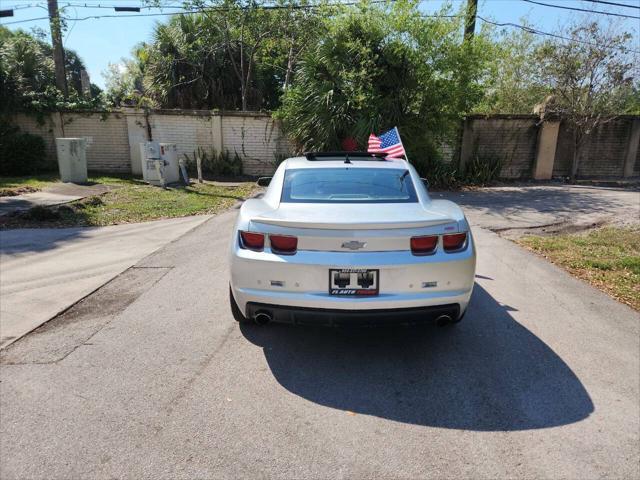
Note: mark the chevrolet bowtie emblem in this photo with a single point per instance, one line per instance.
(354, 245)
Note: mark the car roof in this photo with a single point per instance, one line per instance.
(329, 162)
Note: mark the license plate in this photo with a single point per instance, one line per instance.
(353, 281)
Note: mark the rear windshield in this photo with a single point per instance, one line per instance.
(348, 185)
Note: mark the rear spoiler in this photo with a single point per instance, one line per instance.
(351, 226)
(360, 156)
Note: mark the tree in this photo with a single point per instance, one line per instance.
(514, 85)
(235, 54)
(380, 67)
(27, 80)
(591, 77)
(125, 80)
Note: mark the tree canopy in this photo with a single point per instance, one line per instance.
(376, 68)
(27, 80)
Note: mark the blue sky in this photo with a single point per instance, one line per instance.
(104, 40)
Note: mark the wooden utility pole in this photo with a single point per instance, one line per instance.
(58, 50)
(470, 23)
(466, 132)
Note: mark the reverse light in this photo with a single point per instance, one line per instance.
(454, 242)
(284, 244)
(424, 245)
(252, 241)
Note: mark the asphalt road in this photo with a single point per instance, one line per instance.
(514, 210)
(46, 270)
(151, 377)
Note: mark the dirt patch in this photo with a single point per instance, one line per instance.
(558, 228)
(15, 191)
(57, 216)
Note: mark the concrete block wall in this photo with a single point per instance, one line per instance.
(114, 139)
(106, 134)
(608, 152)
(188, 132)
(43, 127)
(257, 140)
(512, 140)
(603, 153)
(107, 140)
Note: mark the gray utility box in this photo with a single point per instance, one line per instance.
(159, 163)
(72, 159)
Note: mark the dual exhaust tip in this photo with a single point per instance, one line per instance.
(263, 317)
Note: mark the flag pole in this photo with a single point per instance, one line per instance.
(406, 157)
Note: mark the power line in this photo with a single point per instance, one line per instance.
(491, 22)
(111, 7)
(540, 32)
(582, 9)
(614, 3)
(201, 10)
(163, 6)
(24, 21)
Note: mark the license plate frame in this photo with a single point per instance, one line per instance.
(354, 288)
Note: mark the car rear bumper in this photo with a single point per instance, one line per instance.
(301, 281)
(387, 304)
(335, 317)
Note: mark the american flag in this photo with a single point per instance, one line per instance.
(388, 142)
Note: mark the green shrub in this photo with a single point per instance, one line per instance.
(21, 153)
(215, 163)
(482, 170)
(442, 175)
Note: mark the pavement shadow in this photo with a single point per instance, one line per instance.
(31, 240)
(488, 373)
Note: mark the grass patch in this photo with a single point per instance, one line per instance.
(132, 200)
(10, 186)
(608, 258)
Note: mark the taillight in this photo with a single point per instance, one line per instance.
(252, 240)
(285, 244)
(424, 245)
(454, 242)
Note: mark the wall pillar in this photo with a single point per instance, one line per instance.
(137, 133)
(632, 148)
(216, 132)
(546, 150)
(466, 147)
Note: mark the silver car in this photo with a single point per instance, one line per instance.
(350, 238)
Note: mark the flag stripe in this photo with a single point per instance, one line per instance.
(388, 143)
(394, 150)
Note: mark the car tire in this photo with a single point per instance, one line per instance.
(235, 310)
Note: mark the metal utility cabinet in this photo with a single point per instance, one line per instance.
(72, 159)
(159, 163)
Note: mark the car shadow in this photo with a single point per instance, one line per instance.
(488, 373)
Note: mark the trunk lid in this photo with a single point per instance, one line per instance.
(354, 228)
(360, 216)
